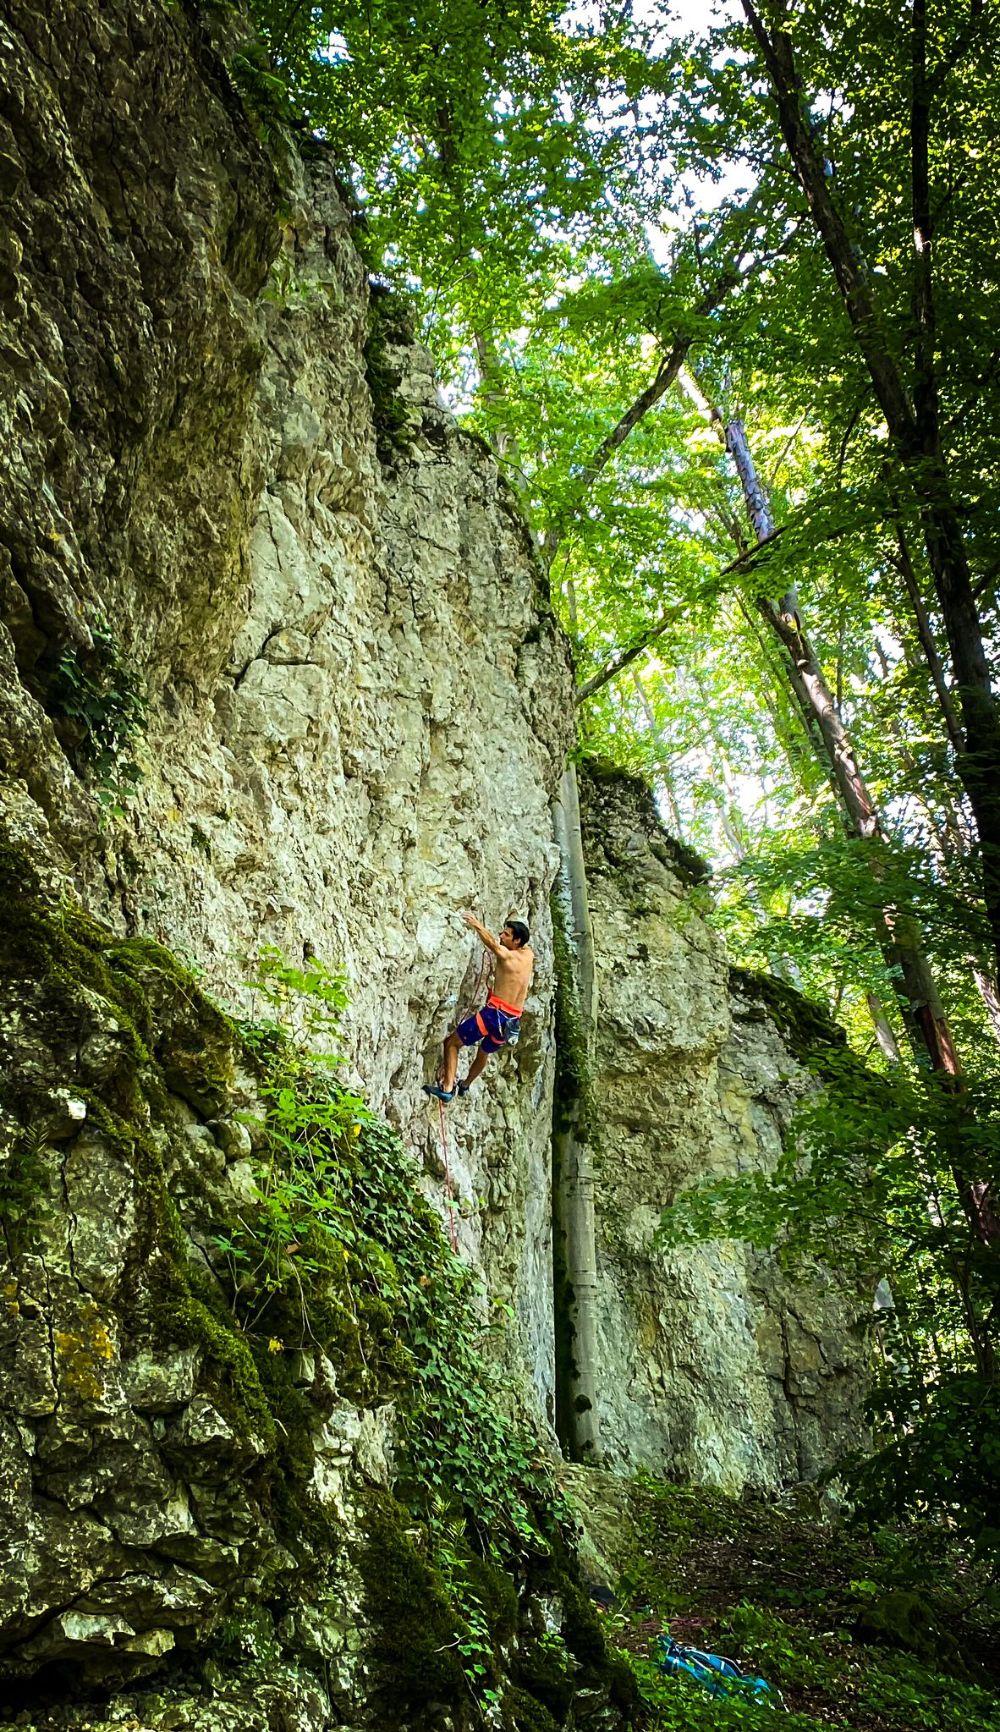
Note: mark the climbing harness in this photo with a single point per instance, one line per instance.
(719, 1676)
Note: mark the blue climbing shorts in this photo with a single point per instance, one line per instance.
(491, 1028)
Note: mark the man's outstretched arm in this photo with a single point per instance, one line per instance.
(488, 939)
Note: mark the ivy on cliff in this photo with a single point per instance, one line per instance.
(599, 212)
(335, 1253)
(99, 702)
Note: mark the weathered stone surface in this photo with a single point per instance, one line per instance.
(714, 1366)
(320, 770)
(358, 707)
(359, 701)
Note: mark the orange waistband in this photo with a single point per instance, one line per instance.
(508, 1009)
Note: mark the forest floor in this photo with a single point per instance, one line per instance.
(890, 1632)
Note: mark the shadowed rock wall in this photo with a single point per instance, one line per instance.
(715, 1367)
(358, 704)
(358, 698)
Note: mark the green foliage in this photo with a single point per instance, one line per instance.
(940, 1452)
(339, 1250)
(23, 1182)
(100, 694)
(482, 141)
(265, 93)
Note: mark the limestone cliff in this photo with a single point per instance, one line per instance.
(277, 667)
(714, 1366)
(358, 698)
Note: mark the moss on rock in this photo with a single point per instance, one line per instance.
(391, 326)
(369, 1282)
(525, 1713)
(574, 1086)
(808, 1031)
(414, 1639)
(619, 796)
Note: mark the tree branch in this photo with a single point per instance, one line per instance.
(667, 371)
(960, 47)
(618, 663)
(624, 659)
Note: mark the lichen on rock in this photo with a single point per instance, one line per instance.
(250, 1401)
(716, 1365)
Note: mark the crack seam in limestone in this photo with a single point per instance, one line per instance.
(72, 1222)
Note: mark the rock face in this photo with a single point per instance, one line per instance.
(277, 668)
(713, 1366)
(358, 698)
(201, 1415)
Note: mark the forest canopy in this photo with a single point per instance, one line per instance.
(724, 301)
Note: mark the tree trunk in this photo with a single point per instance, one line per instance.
(883, 1032)
(899, 936)
(922, 1010)
(912, 424)
(574, 1227)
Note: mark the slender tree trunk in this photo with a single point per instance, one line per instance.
(791, 713)
(912, 423)
(883, 1030)
(574, 1226)
(923, 1013)
(921, 1005)
(669, 366)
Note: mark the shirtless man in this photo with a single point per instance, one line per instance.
(498, 1024)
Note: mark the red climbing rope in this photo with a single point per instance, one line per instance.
(449, 1190)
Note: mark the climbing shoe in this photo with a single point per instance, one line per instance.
(463, 1089)
(438, 1092)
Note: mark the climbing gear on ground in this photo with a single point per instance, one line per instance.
(438, 1092)
(719, 1676)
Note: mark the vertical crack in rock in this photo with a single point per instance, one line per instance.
(206, 473)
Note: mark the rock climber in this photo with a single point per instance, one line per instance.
(498, 1024)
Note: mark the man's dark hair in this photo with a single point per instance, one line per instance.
(518, 930)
